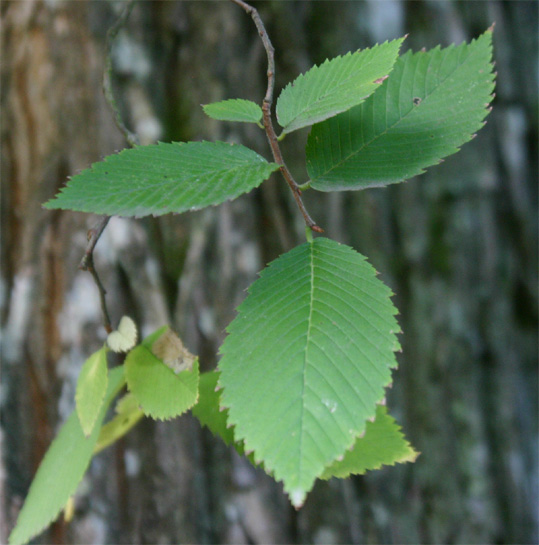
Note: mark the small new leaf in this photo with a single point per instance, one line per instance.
(234, 110)
(164, 178)
(432, 103)
(91, 389)
(335, 86)
(125, 337)
(382, 444)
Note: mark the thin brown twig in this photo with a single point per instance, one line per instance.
(102, 292)
(266, 109)
(87, 261)
(131, 138)
(87, 264)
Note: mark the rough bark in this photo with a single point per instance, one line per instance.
(458, 245)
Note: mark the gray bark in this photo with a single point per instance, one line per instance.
(458, 245)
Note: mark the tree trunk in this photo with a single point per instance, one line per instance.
(458, 245)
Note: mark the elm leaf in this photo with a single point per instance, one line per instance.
(312, 348)
(234, 110)
(91, 389)
(164, 178)
(61, 470)
(431, 104)
(335, 86)
(382, 444)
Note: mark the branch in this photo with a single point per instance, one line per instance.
(266, 109)
(87, 264)
(87, 261)
(131, 138)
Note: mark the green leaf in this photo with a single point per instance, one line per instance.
(432, 104)
(207, 408)
(311, 349)
(210, 414)
(335, 86)
(382, 444)
(160, 392)
(128, 415)
(61, 470)
(234, 110)
(164, 178)
(91, 389)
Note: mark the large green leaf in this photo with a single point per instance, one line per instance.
(234, 110)
(164, 178)
(307, 359)
(91, 389)
(432, 103)
(335, 86)
(382, 444)
(160, 392)
(61, 470)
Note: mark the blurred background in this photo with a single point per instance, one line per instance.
(458, 245)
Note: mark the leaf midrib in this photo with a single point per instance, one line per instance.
(305, 359)
(157, 186)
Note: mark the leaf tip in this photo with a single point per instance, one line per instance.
(381, 80)
(297, 497)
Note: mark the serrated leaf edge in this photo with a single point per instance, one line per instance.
(153, 414)
(487, 110)
(290, 127)
(411, 457)
(49, 204)
(297, 501)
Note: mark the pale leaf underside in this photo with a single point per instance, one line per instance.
(311, 348)
(432, 103)
(382, 444)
